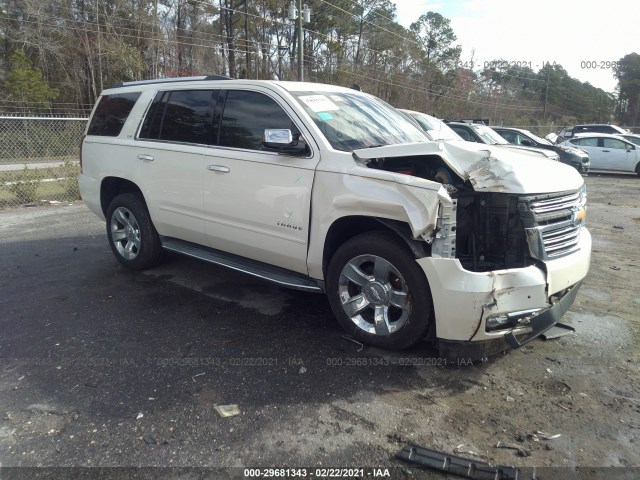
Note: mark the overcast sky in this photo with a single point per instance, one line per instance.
(568, 32)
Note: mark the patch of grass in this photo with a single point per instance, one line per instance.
(34, 185)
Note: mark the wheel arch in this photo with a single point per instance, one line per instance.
(345, 228)
(111, 187)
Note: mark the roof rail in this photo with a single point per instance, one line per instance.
(170, 80)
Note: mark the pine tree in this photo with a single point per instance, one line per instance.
(25, 84)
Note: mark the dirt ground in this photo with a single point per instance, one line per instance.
(102, 367)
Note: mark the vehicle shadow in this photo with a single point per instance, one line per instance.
(86, 338)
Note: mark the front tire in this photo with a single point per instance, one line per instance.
(378, 292)
(132, 236)
(638, 169)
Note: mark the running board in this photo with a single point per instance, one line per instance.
(281, 276)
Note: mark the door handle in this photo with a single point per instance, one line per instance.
(219, 168)
(144, 156)
(606, 151)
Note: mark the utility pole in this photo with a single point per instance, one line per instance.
(303, 15)
(546, 96)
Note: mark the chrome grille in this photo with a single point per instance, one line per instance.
(554, 204)
(552, 225)
(561, 240)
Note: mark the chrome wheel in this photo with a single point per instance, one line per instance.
(374, 295)
(125, 233)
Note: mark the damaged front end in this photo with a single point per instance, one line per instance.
(509, 249)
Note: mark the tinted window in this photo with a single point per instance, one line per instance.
(613, 143)
(509, 136)
(463, 133)
(246, 116)
(187, 117)
(153, 121)
(111, 113)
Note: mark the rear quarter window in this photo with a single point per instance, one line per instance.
(111, 114)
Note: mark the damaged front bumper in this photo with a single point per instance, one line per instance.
(461, 352)
(530, 300)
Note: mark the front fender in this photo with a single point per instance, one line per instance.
(391, 196)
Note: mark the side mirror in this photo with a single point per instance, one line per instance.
(281, 140)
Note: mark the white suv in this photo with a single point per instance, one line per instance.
(328, 189)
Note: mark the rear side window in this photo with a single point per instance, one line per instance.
(247, 115)
(586, 142)
(187, 117)
(111, 113)
(180, 116)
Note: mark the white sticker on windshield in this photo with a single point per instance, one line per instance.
(319, 103)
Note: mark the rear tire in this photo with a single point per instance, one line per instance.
(378, 292)
(132, 236)
(638, 169)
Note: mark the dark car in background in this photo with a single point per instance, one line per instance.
(475, 132)
(574, 157)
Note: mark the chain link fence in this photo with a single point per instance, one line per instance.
(39, 159)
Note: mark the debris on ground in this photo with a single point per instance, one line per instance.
(557, 331)
(302, 370)
(613, 267)
(228, 410)
(462, 449)
(197, 375)
(522, 452)
(548, 436)
(619, 227)
(460, 466)
(139, 416)
(150, 440)
(562, 406)
(361, 345)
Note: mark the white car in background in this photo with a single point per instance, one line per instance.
(608, 152)
(631, 137)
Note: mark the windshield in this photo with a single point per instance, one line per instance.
(489, 136)
(351, 120)
(537, 139)
(436, 129)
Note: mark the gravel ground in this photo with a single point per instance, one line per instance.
(103, 367)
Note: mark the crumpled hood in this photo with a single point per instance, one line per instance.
(489, 168)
